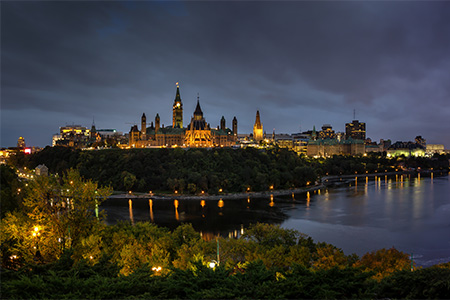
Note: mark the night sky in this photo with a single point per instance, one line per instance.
(301, 64)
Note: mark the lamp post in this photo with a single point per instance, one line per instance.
(218, 251)
(37, 235)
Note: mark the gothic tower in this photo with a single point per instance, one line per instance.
(143, 126)
(235, 126)
(177, 121)
(222, 123)
(258, 128)
(157, 120)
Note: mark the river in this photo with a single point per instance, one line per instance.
(409, 213)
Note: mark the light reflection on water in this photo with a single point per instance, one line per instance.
(409, 213)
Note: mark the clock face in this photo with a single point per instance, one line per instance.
(178, 104)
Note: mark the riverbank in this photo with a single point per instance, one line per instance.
(219, 196)
(324, 182)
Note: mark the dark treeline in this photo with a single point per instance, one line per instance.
(267, 262)
(187, 171)
(194, 170)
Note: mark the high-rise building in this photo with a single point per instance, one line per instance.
(327, 132)
(177, 120)
(257, 128)
(21, 142)
(355, 130)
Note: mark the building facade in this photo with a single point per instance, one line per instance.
(198, 132)
(355, 130)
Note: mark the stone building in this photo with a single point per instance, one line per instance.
(198, 132)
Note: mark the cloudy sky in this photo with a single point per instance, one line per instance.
(302, 64)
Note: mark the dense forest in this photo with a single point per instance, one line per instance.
(191, 171)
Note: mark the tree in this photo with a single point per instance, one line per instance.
(384, 262)
(11, 190)
(58, 213)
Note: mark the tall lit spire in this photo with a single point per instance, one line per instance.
(177, 121)
(258, 128)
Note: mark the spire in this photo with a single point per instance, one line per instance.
(177, 96)
(258, 120)
(93, 130)
(198, 110)
(177, 112)
(258, 128)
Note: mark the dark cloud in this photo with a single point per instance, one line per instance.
(300, 63)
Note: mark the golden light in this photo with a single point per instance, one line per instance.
(71, 182)
(248, 189)
(176, 192)
(220, 203)
(203, 203)
(175, 203)
(271, 187)
(203, 192)
(129, 192)
(220, 190)
(157, 269)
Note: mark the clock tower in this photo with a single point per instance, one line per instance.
(177, 120)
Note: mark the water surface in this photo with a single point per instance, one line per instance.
(409, 213)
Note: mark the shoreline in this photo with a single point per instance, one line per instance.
(324, 182)
(218, 197)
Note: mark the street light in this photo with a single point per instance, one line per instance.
(212, 264)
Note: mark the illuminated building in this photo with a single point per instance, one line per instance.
(330, 147)
(41, 170)
(406, 148)
(72, 136)
(355, 130)
(257, 128)
(177, 119)
(327, 132)
(197, 134)
(21, 142)
(434, 148)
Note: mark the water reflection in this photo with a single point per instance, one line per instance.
(150, 203)
(130, 208)
(177, 216)
(409, 212)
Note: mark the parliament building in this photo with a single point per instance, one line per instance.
(197, 133)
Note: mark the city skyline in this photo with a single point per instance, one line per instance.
(301, 64)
